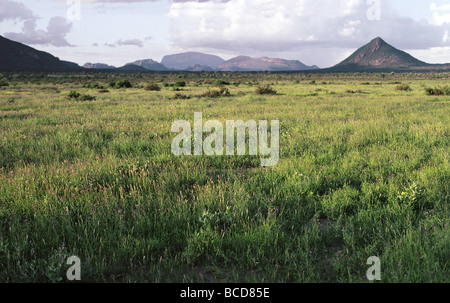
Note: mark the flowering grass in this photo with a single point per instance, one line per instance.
(360, 174)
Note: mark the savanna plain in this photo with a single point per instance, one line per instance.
(86, 170)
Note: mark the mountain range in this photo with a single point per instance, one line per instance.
(244, 63)
(377, 55)
(198, 62)
(191, 60)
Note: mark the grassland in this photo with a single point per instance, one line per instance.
(363, 171)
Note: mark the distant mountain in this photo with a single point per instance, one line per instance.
(244, 63)
(376, 56)
(98, 66)
(199, 68)
(71, 64)
(15, 56)
(183, 61)
(132, 67)
(379, 55)
(149, 64)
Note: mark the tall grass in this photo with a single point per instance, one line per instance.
(359, 175)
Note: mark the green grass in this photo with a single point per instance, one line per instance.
(363, 171)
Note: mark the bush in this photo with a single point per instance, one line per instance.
(221, 82)
(93, 85)
(216, 93)
(265, 90)
(152, 87)
(87, 98)
(438, 91)
(403, 87)
(77, 96)
(350, 91)
(180, 84)
(120, 84)
(180, 96)
(74, 95)
(3, 82)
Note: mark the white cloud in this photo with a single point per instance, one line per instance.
(11, 10)
(133, 42)
(350, 28)
(273, 24)
(432, 55)
(441, 14)
(55, 34)
(288, 25)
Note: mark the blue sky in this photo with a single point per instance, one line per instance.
(321, 32)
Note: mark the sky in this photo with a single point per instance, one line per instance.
(319, 32)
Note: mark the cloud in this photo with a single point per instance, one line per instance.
(11, 10)
(128, 42)
(116, 1)
(55, 34)
(274, 25)
(137, 1)
(441, 14)
(287, 25)
(135, 42)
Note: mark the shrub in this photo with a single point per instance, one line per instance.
(180, 96)
(349, 91)
(152, 87)
(221, 82)
(120, 84)
(77, 96)
(403, 87)
(87, 98)
(3, 82)
(74, 95)
(438, 91)
(180, 84)
(93, 85)
(265, 90)
(216, 93)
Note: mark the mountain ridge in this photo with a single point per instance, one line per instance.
(375, 56)
(246, 63)
(149, 64)
(16, 56)
(90, 65)
(182, 61)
